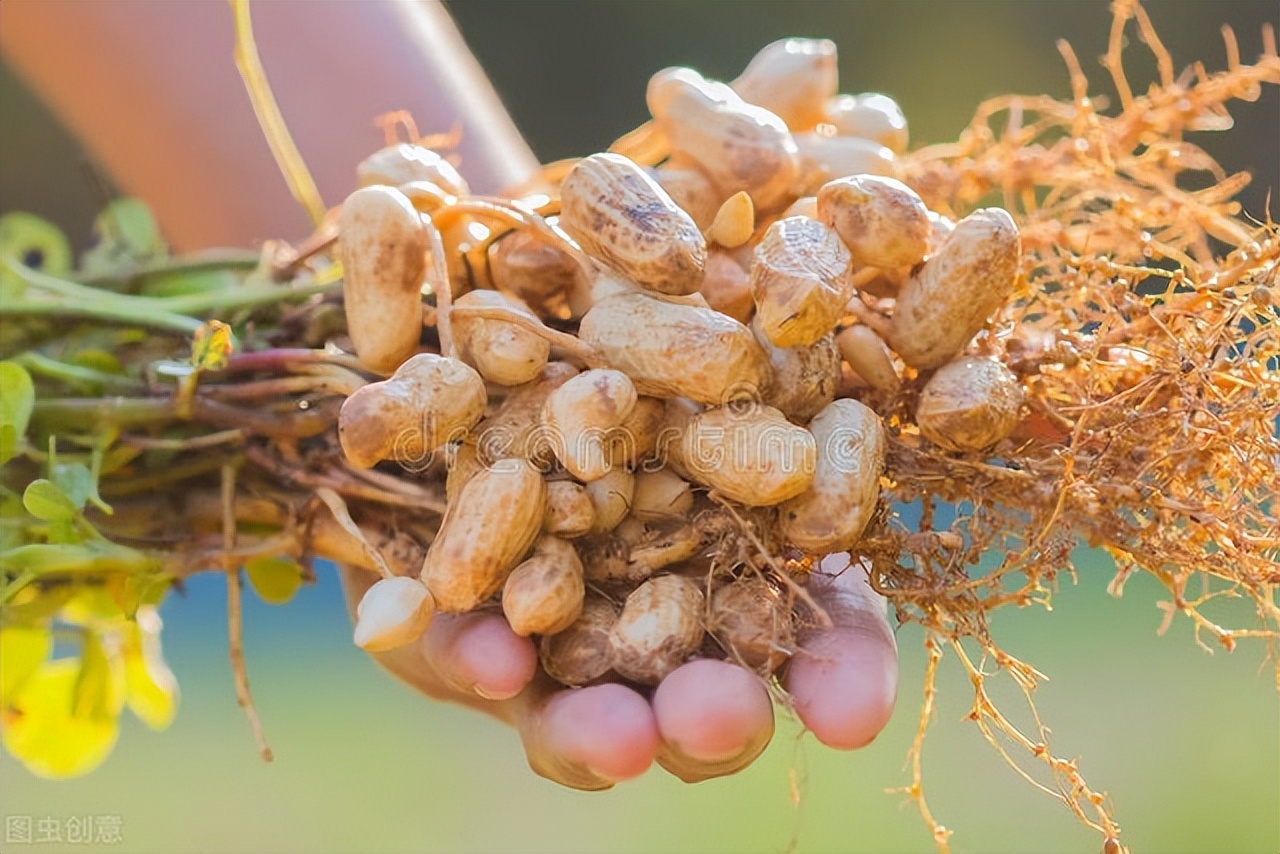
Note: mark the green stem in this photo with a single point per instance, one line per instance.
(38, 363)
(231, 260)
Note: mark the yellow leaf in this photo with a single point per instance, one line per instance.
(22, 651)
(211, 346)
(151, 688)
(274, 579)
(42, 733)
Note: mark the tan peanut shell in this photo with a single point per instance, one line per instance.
(652, 549)
(824, 158)
(832, 513)
(882, 220)
(515, 429)
(636, 439)
(671, 348)
(606, 559)
(661, 495)
(611, 498)
(752, 623)
(801, 280)
(793, 79)
(527, 267)
(405, 163)
(866, 353)
(583, 652)
(383, 247)
(659, 628)
(427, 402)
(804, 378)
(693, 191)
(956, 291)
(484, 534)
(569, 512)
(738, 145)
(543, 595)
(803, 206)
(753, 456)
(969, 404)
(463, 464)
(502, 352)
(621, 216)
(580, 416)
(726, 287)
(869, 116)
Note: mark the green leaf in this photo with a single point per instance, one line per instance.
(97, 360)
(274, 579)
(17, 399)
(76, 482)
(45, 736)
(45, 500)
(22, 650)
(127, 236)
(151, 688)
(188, 282)
(23, 235)
(95, 694)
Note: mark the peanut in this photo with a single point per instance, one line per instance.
(882, 220)
(544, 594)
(671, 348)
(581, 416)
(969, 404)
(750, 454)
(583, 652)
(515, 429)
(404, 163)
(660, 496)
(393, 612)
(952, 295)
(801, 279)
(804, 378)
(824, 158)
(660, 626)
(869, 116)
(831, 515)
(527, 267)
(621, 216)
(611, 498)
(484, 534)
(734, 221)
(463, 464)
(570, 512)
(726, 287)
(692, 191)
(428, 401)
(792, 78)
(738, 145)
(750, 620)
(863, 350)
(503, 353)
(383, 248)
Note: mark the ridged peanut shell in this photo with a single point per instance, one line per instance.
(502, 352)
(832, 513)
(969, 404)
(484, 534)
(754, 456)
(569, 512)
(957, 290)
(543, 595)
(404, 163)
(579, 416)
(793, 79)
(621, 216)
(659, 628)
(382, 246)
(804, 378)
(583, 652)
(752, 623)
(801, 280)
(882, 220)
(869, 116)
(515, 429)
(427, 402)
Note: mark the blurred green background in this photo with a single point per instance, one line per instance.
(1186, 744)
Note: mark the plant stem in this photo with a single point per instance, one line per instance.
(38, 363)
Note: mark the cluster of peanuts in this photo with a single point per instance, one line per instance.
(649, 355)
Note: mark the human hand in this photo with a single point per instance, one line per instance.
(706, 719)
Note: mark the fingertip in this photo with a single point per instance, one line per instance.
(713, 711)
(480, 653)
(608, 729)
(844, 683)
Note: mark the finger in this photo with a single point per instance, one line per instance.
(843, 680)
(714, 717)
(589, 738)
(478, 653)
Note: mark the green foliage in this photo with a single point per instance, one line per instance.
(17, 399)
(127, 235)
(274, 579)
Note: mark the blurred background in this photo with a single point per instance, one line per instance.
(1186, 744)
